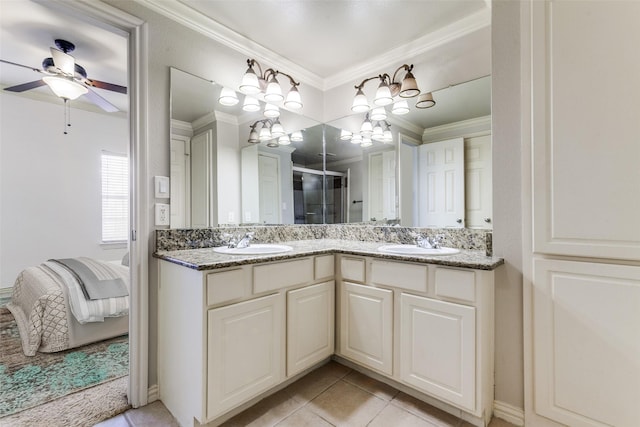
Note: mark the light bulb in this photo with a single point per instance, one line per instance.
(271, 111)
(293, 101)
(273, 92)
(228, 97)
(250, 83)
(360, 103)
(251, 104)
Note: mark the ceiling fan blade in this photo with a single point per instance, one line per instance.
(63, 61)
(25, 86)
(105, 85)
(37, 70)
(101, 102)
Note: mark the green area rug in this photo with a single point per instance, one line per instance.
(26, 382)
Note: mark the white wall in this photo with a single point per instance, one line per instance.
(51, 182)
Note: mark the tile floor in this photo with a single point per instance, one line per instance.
(332, 395)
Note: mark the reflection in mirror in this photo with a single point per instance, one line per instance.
(218, 177)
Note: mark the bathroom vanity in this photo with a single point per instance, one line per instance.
(233, 329)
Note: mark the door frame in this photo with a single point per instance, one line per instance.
(135, 30)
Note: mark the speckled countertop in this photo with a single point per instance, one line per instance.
(206, 258)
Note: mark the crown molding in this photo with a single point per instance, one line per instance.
(404, 124)
(453, 31)
(465, 128)
(208, 27)
(226, 117)
(180, 125)
(204, 120)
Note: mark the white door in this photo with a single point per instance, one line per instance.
(366, 326)
(438, 348)
(477, 174)
(269, 172)
(201, 184)
(586, 342)
(310, 326)
(244, 351)
(179, 187)
(441, 184)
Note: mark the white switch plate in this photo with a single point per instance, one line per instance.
(161, 187)
(163, 214)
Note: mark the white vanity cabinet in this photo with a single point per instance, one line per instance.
(231, 335)
(428, 327)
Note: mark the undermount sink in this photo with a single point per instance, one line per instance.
(255, 249)
(416, 250)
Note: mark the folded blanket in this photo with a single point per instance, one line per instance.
(96, 279)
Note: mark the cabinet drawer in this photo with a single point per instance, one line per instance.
(226, 286)
(352, 269)
(324, 267)
(280, 275)
(456, 284)
(399, 275)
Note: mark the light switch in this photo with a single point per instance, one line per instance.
(161, 186)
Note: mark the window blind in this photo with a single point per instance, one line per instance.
(115, 197)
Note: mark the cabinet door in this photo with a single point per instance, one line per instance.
(245, 351)
(310, 326)
(438, 348)
(586, 343)
(366, 326)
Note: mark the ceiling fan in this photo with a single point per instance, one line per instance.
(67, 79)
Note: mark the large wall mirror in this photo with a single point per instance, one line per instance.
(316, 176)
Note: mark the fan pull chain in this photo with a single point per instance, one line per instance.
(67, 116)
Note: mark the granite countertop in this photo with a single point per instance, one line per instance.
(207, 259)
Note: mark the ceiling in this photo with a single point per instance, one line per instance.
(327, 42)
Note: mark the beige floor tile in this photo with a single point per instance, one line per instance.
(311, 385)
(152, 415)
(117, 421)
(266, 413)
(394, 416)
(425, 411)
(375, 387)
(303, 417)
(344, 404)
(497, 422)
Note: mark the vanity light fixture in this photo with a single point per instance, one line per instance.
(376, 130)
(391, 91)
(272, 132)
(267, 83)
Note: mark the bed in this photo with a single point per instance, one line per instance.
(50, 305)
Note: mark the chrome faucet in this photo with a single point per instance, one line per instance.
(245, 241)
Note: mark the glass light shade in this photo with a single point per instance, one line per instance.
(366, 142)
(273, 93)
(400, 107)
(377, 133)
(387, 136)
(345, 135)
(265, 134)
(378, 113)
(360, 103)
(228, 97)
(272, 144)
(271, 111)
(383, 95)
(277, 130)
(409, 87)
(367, 127)
(293, 100)
(284, 140)
(356, 138)
(253, 136)
(250, 104)
(250, 83)
(296, 136)
(425, 100)
(64, 87)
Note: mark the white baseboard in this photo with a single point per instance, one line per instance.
(153, 393)
(509, 413)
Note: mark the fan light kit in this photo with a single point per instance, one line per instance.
(67, 79)
(391, 92)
